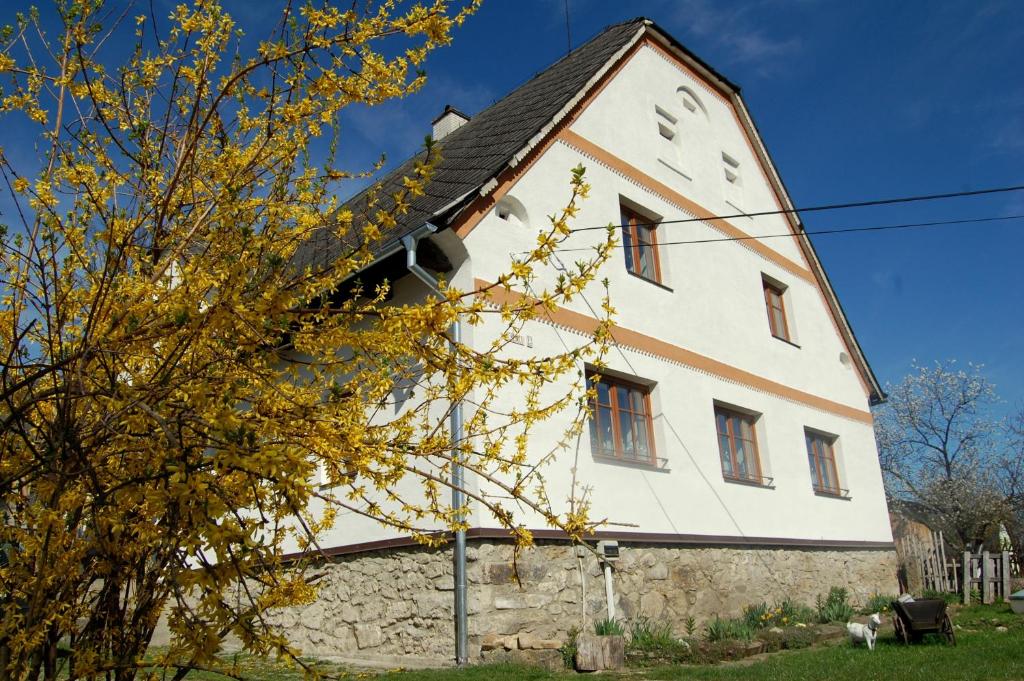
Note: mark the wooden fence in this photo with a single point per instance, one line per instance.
(929, 556)
(989, 573)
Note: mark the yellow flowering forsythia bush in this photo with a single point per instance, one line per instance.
(173, 385)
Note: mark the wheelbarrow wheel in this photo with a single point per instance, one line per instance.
(947, 630)
(902, 635)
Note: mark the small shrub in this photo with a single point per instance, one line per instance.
(880, 603)
(691, 626)
(570, 647)
(646, 634)
(784, 613)
(609, 627)
(651, 642)
(835, 607)
(728, 630)
(950, 597)
(756, 615)
(796, 638)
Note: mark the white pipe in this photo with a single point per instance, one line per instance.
(609, 593)
(411, 241)
(583, 595)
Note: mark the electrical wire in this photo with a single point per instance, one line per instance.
(832, 206)
(837, 230)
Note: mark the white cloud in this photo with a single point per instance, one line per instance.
(734, 29)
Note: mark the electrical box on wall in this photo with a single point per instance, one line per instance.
(609, 550)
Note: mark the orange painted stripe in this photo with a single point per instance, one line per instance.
(616, 164)
(644, 343)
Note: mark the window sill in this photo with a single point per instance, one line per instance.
(786, 341)
(842, 494)
(657, 466)
(649, 281)
(763, 483)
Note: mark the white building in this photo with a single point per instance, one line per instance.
(749, 470)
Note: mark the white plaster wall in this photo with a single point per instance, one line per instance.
(712, 304)
(688, 495)
(622, 119)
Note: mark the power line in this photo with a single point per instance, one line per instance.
(838, 230)
(833, 206)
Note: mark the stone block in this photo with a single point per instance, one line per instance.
(498, 642)
(550, 660)
(657, 572)
(498, 573)
(652, 604)
(368, 636)
(534, 642)
(398, 609)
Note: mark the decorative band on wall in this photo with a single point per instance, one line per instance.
(644, 343)
(617, 165)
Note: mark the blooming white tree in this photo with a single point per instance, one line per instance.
(941, 451)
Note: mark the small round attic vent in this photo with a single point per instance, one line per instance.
(512, 210)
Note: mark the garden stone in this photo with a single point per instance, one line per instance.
(534, 642)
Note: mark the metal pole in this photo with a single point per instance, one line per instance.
(410, 241)
(458, 504)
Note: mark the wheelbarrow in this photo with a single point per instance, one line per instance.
(915, 619)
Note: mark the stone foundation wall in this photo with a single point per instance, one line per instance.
(398, 604)
(379, 606)
(663, 583)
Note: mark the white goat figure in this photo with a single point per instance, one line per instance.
(864, 632)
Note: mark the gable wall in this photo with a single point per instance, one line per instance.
(707, 333)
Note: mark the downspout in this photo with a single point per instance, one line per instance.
(410, 242)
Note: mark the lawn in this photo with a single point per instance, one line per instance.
(982, 652)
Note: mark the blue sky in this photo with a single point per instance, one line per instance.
(855, 100)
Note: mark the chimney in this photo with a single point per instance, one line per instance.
(450, 120)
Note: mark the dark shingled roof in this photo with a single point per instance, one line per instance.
(481, 148)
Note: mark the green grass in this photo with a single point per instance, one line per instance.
(980, 655)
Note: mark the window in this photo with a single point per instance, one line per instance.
(774, 302)
(822, 460)
(737, 445)
(640, 245)
(620, 420)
